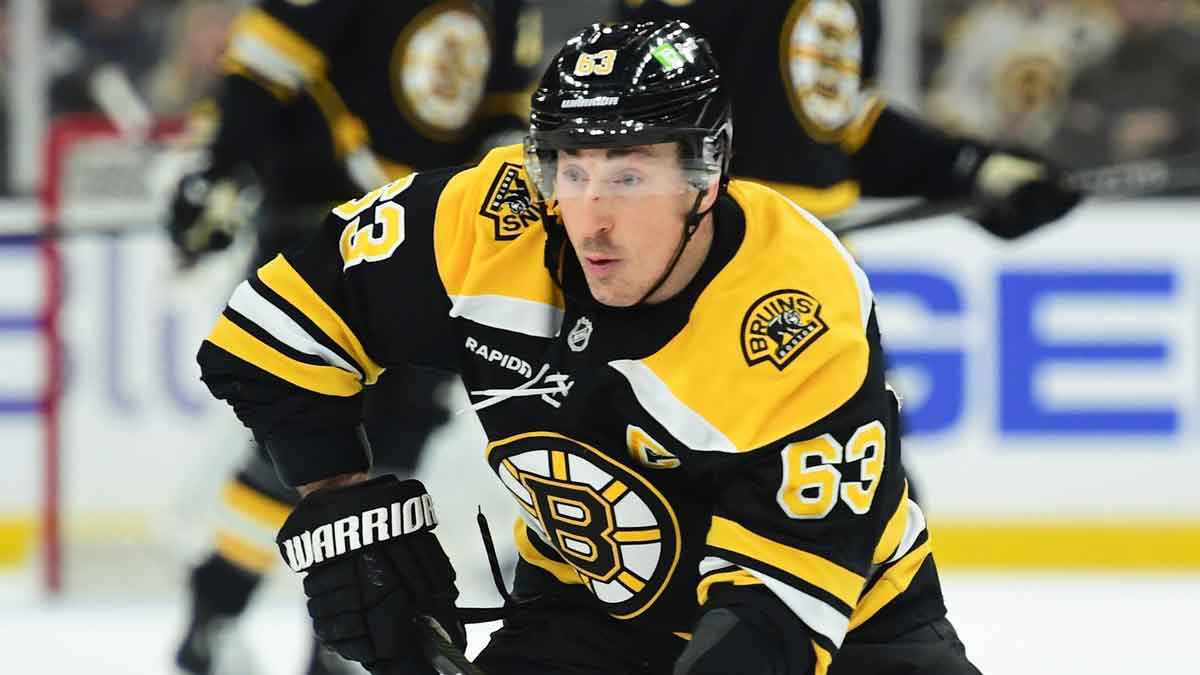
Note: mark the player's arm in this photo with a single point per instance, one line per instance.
(277, 52)
(1017, 191)
(292, 353)
(798, 525)
(896, 154)
(299, 340)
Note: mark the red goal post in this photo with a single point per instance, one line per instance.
(96, 181)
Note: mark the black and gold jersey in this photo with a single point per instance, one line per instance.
(389, 86)
(739, 437)
(808, 118)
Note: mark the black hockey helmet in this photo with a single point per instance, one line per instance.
(632, 84)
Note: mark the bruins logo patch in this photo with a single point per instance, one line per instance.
(439, 68)
(509, 203)
(821, 57)
(780, 325)
(613, 527)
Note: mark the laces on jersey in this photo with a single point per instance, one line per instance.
(554, 384)
(485, 614)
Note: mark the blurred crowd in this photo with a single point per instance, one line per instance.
(1087, 82)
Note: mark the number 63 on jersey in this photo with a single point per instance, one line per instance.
(812, 484)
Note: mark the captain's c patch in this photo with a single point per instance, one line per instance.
(780, 325)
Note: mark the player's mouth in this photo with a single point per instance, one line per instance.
(599, 267)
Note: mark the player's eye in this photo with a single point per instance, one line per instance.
(628, 180)
(572, 175)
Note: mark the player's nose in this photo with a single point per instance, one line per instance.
(596, 210)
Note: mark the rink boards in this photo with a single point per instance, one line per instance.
(1051, 385)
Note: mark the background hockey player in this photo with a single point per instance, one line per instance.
(323, 101)
(689, 407)
(814, 127)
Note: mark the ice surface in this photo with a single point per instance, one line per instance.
(1048, 624)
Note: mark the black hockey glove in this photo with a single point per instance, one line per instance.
(1019, 194)
(207, 210)
(375, 569)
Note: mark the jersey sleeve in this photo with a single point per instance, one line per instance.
(299, 340)
(277, 50)
(904, 155)
(286, 44)
(935, 165)
(805, 522)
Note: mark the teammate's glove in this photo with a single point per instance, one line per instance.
(207, 211)
(1019, 194)
(375, 569)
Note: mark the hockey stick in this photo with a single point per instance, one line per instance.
(1123, 180)
(443, 655)
(904, 214)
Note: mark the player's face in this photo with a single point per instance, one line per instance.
(623, 210)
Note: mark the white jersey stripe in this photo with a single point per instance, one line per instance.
(866, 298)
(914, 528)
(515, 314)
(267, 61)
(818, 615)
(711, 563)
(247, 302)
(682, 422)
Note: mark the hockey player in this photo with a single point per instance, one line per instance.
(322, 101)
(813, 127)
(680, 377)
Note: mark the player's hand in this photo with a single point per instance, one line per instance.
(374, 569)
(1020, 194)
(206, 212)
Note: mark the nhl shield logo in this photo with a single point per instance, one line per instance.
(780, 325)
(578, 338)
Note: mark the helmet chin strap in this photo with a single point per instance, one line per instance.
(691, 223)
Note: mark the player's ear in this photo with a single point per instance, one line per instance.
(710, 195)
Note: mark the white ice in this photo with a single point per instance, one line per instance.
(1027, 624)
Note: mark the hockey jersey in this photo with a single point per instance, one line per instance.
(386, 88)
(739, 436)
(808, 119)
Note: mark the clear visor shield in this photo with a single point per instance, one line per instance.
(564, 166)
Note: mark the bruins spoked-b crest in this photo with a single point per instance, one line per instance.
(611, 525)
(439, 68)
(821, 53)
(780, 325)
(509, 204)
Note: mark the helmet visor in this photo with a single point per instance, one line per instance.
(618, 162)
